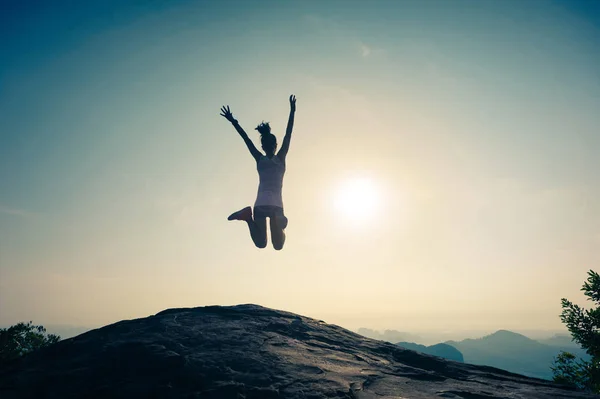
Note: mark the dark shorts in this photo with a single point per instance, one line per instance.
(272, 212)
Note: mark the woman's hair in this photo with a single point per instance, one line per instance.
(264, 128)
(267, 139)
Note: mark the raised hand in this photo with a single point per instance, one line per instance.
(226, 113)
(293, 102)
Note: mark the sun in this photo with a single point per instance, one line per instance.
(357, 199)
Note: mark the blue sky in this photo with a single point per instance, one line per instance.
(476, 120)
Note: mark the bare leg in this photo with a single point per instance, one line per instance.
(257, 226)
(277, 234)
(258, 231)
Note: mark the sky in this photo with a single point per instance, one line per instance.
(468, 130)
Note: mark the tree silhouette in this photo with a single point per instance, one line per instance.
(584, 326)
(22, 338)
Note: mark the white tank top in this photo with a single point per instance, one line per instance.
(270, 174)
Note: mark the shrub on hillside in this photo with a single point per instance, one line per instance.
(22, 338)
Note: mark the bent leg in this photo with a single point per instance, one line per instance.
(277, 234)
(258, 231)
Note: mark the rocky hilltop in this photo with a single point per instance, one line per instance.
(250, 352)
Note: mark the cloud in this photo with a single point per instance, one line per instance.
(14, 211)
(340, 35)
(365, 50)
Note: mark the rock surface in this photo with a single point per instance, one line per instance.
(250, 352)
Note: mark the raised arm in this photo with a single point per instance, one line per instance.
(285, 146)
(226, 113)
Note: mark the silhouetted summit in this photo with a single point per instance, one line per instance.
(442, 350)
(248, 351)
(512, 351)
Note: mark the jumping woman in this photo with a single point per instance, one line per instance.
(271, 168)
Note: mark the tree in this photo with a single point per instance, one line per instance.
(584, 326)
(21, 339)
(569, 370)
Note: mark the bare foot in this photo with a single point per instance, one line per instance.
(243, 214)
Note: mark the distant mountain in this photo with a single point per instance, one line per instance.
(389, 335)
(512, 352)
(442, 350)
(560, 340)
(66, 331)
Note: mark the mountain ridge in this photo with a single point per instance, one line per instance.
(512, 351)
(441, 350)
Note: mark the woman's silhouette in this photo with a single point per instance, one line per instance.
(271, 168)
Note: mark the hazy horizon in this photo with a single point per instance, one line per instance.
(472, 125)
(424, 337)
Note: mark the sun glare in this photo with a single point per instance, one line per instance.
(357, 199)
